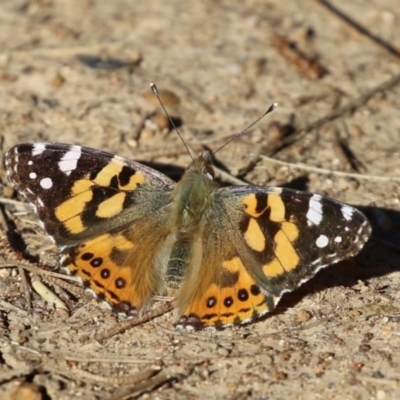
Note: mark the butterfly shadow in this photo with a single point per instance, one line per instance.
(379, 257)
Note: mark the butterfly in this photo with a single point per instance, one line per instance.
(130, 232)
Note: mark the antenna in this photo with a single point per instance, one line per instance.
(155, 91)
(270, 109)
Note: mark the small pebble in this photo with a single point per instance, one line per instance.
(223, 352)
(363, 348)
(380, 395)
(265, 359)
(58, 80)
(303, 316)
(161, 120)
(168, 98)
(8, 192)
(146, 134)
(355, 132)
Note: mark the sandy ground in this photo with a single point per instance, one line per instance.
(336, 337)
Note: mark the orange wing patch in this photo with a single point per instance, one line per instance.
(275, 203)
(115, 177)
(254, 236)
(252, 205)
(116, 168)
(111, 266)
(223, 304)
(256, 207)
(286, 256)
(69, 211)
(112, 206)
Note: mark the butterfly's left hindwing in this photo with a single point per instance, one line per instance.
(117, 265)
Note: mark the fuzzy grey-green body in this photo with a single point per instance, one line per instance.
(191, 205)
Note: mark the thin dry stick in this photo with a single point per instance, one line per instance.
(114, 380)
(70, 51)
(227, 177)
(10, 307)
(364, 32)
(146, 386)
(145, 317)
(4, 200)
(378, 381)
(331, 172)
(37, 270)
(76, 290)
(112, 360)
(344, 154)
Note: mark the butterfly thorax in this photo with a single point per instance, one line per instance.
(193, 196)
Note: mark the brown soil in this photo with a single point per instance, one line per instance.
(336, 337)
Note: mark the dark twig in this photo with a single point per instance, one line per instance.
(359, 28)
(148, 385)
(145, 317)
(339, 112)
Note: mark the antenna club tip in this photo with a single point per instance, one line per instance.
(271, 108)
(154, 88)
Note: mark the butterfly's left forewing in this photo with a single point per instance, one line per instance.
(78, 191)
(269, 241)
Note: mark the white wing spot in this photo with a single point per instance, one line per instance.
(30, 162)
(314, 213)
(347, 212)
(322, 241)
(70, 159)
(46, 183)
(338, 239)
(33, 175)
(317, 261)
(361, 228)
(38, 148)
